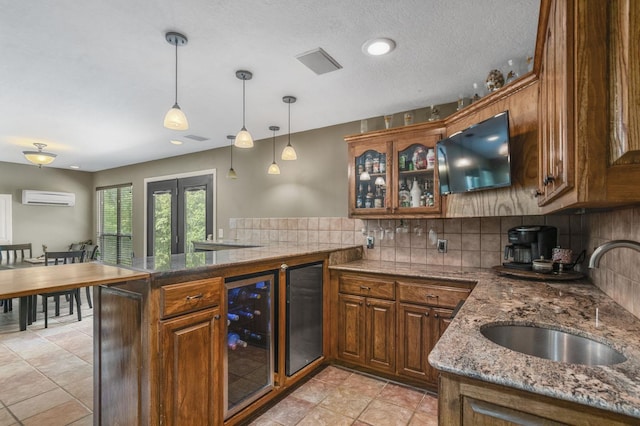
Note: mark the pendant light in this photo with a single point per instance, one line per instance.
(39, 157)
(231, 174)
(273, 168)
(175, 118)
(243, 138)
(288, 153)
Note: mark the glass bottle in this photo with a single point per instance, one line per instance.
(431, 159)
(415, 194)
(360, 198)
(368, 202)
(404, 196)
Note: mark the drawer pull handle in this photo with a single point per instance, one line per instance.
(364, 287)
(431, 296)
(195, 297)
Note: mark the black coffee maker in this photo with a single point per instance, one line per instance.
(528, 243)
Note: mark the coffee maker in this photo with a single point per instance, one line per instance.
(528, 243)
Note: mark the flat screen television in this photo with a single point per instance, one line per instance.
(476, 158)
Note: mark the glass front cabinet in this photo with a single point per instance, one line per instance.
(393, 173)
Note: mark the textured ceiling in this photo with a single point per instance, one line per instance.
(93, 79)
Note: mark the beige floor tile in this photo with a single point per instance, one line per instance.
(263, 421)
(289, 411)
(39, 403)
(380, 413)
(429, 404)
(346, 402)
(6, 419)
(364, 385)
(82, 390)
(333, 375)
(26, 386)
(63, 414)
(401, 395)
(85, 421)
(313, 391)
(423, 419)
(320, 416)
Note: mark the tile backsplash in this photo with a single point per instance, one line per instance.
(619, 272)
(472, 242)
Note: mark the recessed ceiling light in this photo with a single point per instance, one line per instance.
(176, 142)
(378, 46)
(74, 167)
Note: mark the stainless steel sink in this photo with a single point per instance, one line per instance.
(551, 344)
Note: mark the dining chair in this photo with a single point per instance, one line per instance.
(60, 258)
(18, 251)
(90, 253)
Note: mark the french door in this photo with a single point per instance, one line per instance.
(179, 211)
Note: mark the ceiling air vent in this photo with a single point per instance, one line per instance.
(196, 138)
(319, 61)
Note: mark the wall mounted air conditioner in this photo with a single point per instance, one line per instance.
(48, 198)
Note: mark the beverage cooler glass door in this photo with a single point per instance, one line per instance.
(249, 355)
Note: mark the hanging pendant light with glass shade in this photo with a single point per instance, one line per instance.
(243, 138)
(231, 174)
(273, 168)
(39, 157)
(175, 118)
(288, 153)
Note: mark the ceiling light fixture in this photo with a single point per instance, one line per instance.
(288, 153)
(243, 138)
(378, 46)
(175, 118)
(273, 168)
(231, 174)
(176, 142)
(39, 157)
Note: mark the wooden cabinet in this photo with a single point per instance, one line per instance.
(463, 401)
(382, 169)
(190, 369)
(424, 313)
(589, 137)
(366, 324)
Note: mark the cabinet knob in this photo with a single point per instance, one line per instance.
(284, 266)
(360, 303)
(548, 179)
(216, 317)
(426, 314)
(436, 315)
(368, 304)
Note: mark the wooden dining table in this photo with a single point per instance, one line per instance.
(24, 279)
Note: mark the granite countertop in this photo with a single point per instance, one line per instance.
(237, 254)
(567, 305)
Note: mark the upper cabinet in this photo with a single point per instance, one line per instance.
(393, 173)
(589, 138)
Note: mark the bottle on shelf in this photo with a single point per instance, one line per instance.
(419, 158)
(360, 198)
(234, 341)
(241, 313)
(378, 200)
(431, 159)
(376, 164)
(415, 194)
(383, 163)
(250, 335)
(368, 163)
(368, 201)
(232, 317)
(404, 196)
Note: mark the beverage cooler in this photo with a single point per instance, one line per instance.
(249, 354)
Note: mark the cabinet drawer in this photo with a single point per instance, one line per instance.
(431, 294)
(363, 286)
(190, 296)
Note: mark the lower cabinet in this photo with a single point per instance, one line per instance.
(464, 401)
(390, 324)
(366, 333)
(419, 328)
(190, 369)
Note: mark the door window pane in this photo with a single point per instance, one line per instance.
(195, 217)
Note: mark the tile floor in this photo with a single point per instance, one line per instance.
(46, 379)
(46, 375)
(337, 396)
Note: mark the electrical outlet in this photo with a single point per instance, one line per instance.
(220, 233)
(442, 246)
(369, 242)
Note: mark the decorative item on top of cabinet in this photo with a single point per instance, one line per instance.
(383, 167)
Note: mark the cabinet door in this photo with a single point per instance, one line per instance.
(190, 390)
(416, 184)
(351, 328)
(555, 107)
(443, 319)
(381, 334)
(416, 337)
(369, 177)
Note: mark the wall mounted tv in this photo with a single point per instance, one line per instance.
(476, 158)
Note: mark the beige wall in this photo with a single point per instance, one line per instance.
(55, 227)
(314, 185)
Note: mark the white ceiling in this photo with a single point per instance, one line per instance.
(94, 78)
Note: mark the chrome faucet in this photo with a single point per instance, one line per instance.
(594, 260)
